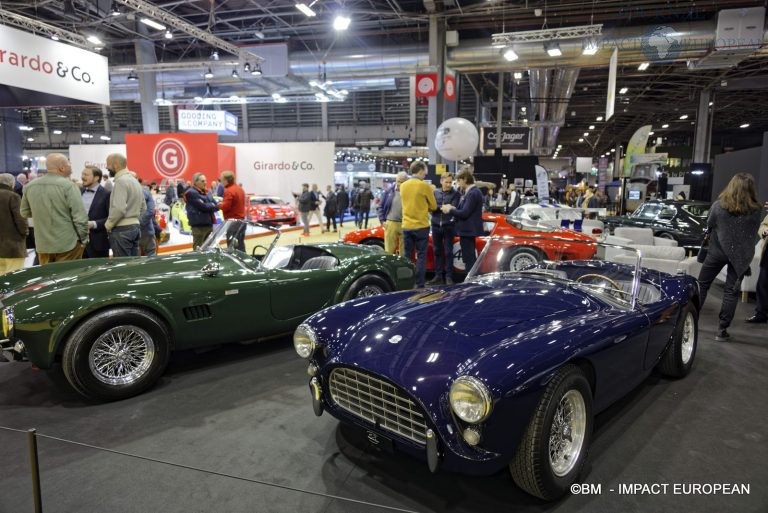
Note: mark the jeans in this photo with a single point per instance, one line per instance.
(709, 270)
(148, 244)
(124, 240)
(199, 234)
(328, 218)
(417, 239)
(341, 217)
(305, 221)
(359, 214)
(761, 308)
(468, 252)
(442, 243)
(236, 236)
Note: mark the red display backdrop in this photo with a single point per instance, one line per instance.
(226, 158)
(172, 156)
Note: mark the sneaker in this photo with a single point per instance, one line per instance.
(722, 336)
(757, 319)
(437, 280)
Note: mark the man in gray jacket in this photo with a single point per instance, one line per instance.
(126, 205)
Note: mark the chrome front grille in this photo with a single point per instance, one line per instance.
(379, 402)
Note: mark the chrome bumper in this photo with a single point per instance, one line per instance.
(13, 350)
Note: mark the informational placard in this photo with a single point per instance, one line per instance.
(280, 168)
(542, 182)
(610, 101)
(514, 139)
(218, 121)
(40, 64)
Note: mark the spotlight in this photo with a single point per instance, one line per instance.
(665, 125)
(643, 66)
(214, 55)
(623, 90)
(341, 22)
(235, 74)
(590, 47)
(115, 9)
(168, 34)
(256, 70)
(95, 40)
(510, 54)
(54, 37)
(208, 74)
(744, 125)
(599, 118)
(518, 75)
(306, 9)
(553, 49)
(133, 76)
(684, 116)
(247, 67)
(57, 132)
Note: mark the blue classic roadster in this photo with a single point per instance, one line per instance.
(508, 368)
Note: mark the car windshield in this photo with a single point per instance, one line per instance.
(265, 200)
(551, 257)
(547, 214)
(225, 238)
(701, 211)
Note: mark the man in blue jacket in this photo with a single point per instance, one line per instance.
(443, 231)
(468, 215)
(200, 210)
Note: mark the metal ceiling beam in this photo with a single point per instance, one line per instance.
(33, 25)
(173, 21)
(555, 34)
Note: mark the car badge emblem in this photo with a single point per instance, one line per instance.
(373, 438)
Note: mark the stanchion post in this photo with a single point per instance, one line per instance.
(35, 470)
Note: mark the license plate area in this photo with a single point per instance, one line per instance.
(378, 442)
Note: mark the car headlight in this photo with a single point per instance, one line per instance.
(304, 341)
(470, 399)
(7, 321)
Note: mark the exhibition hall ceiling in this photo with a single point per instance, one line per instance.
(661, 94)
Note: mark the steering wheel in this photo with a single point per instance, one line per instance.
(253, 251)
(600, 277)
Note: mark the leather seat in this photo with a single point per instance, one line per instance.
(320, 262)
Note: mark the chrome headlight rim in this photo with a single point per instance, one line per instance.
(7, 321)
(305, 350)
(480, 390)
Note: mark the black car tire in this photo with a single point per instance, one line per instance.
(142, 326)
(532, 468)
(664, 235)
(517, 257)
(681, 351)
(373, 242)
(367, 285)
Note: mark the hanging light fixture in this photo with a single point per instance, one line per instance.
(306, 9)
(235, 74)
(208, 74)
(168, 34)
(341, 22)
(589, 47)
(509, 54)
(132, 76)
(553, 49)
(246, 67)
(115, 9)
(256, 70)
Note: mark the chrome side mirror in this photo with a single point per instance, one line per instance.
(211, 269)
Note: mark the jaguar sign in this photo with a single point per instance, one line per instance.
(514, 139)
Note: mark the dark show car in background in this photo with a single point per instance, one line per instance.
(683, 221)
(506, 369)
(112, 323)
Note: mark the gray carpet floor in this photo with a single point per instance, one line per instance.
(243, 414)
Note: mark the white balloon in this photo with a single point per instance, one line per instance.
(456, 139)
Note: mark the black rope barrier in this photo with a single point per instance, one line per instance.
(36, 487)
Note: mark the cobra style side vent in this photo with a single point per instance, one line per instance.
(197, 312)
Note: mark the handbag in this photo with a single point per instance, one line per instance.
(704, 247)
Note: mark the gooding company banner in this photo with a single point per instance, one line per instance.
(54, 70)
(280, 168)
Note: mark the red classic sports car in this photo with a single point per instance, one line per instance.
(538, 245)
(270, 210)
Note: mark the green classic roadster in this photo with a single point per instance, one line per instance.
(112, 323)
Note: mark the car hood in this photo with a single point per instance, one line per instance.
(16, 286)
(483, 307)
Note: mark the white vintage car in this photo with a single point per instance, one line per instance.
(533, 215)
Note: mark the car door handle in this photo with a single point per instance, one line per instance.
(619, 339)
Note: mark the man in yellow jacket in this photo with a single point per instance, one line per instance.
(418, 201)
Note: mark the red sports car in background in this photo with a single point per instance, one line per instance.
(270, 210)
(529, 252)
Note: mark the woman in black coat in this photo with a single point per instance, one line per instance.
(733, 222)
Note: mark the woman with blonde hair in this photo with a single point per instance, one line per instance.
(733, 222)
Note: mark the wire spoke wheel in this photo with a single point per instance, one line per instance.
(121, 355)
(689, 337)
(566, 436)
